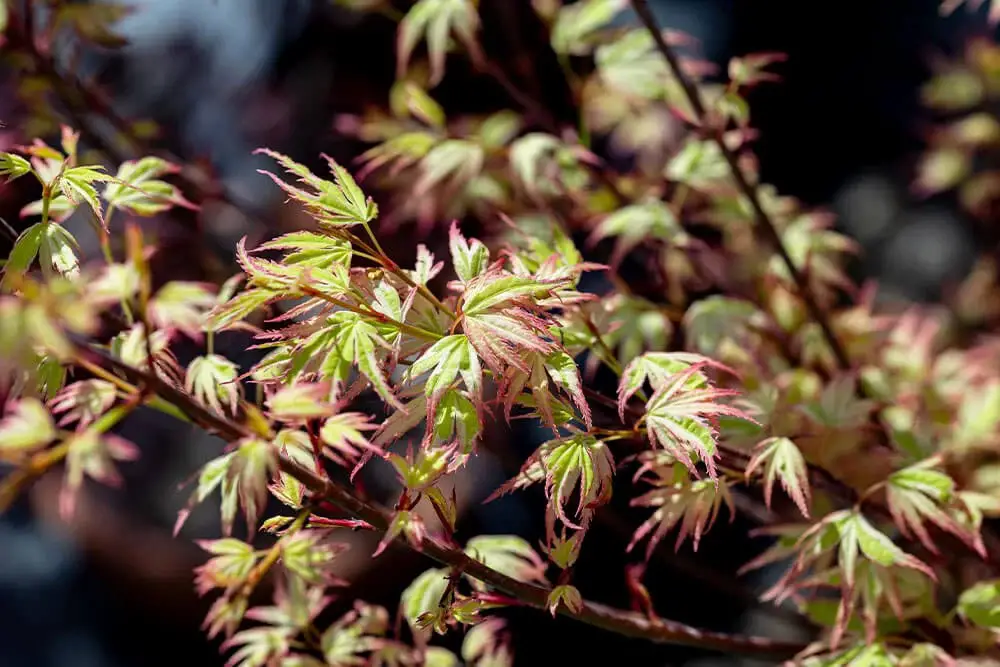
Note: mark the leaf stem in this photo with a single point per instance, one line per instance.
(255, 575)
(377, 254)
(416, 332)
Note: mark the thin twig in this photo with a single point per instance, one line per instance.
(763, 219)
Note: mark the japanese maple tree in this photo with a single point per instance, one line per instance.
(750, 367)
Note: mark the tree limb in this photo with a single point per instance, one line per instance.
(629, 624)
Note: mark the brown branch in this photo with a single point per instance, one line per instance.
(621, 622)
(625, 623)
(743, 182)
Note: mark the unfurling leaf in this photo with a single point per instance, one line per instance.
(309, 556)
(243, 475)
(26, 427)
(138, 188)
(301, 402)
(232, 561)
(249, 472)
(212, 380)
(436, 21)
(980, 604)
(81, 402)
(338, 203)
(57, 251)
(579, 466)
(509, 555)
(564, 596)
(470, 258)
(343, 435)
(13, 166)
(423, 595)
(182, 306)
(783, 461)
(92, 453)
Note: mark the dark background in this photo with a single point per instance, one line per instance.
(841, 130)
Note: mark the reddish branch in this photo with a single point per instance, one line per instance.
(629, 624)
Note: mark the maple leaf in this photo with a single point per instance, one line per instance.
(579, 463)
(783, 461)
(243, 475)
(508, 554)
(447, 359)
(298, 447)
(25, 427)
(212, 379)
(357, 632)
(870, 569)
(638, 223)
(486, 645)
(918, 495)
(452, 165)
(980, 604)
(301, 402)
(544, 165)
(576, 24)
(817, 251)
(309, 556)
(456, 421)
(692, 504)
(710, 322)
(57, 249)
(750, 70)
(81, 402)
(182, 305)
(139, 189)
(437, 20)
(92, 453)
(231, 562)
(424, 594)
(343, 435)
(679, 419)
(356, 342)
(564, 595)
(657, 368)
(338, 203)
(77, 185)
(311, 249)
(556, 369)
(501, 321)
